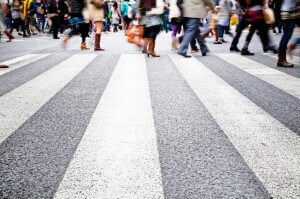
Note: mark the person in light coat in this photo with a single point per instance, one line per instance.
(193, 11)
(148, 12)
(96, 15)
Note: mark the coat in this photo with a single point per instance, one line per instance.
(95, 14)
(152, 17)
(196, 8)
(174, 10)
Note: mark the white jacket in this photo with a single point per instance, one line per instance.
(174, 10)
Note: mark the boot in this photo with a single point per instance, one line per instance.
(83, 46)
(9, 35)
(145, 47)
(151, 47)
(245, 51)
(97, 43)
(282, 62)
(3, 66)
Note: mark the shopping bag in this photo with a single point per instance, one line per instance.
(234, 20)
(135, 34)
(269, 15)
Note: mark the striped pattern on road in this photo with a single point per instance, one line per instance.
(292, 59)
(119, 143)
(272, 76)
(21, 61)
(262, 140)
(120, 154)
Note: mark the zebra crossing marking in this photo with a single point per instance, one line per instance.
(117, 156)
(272, 76)
(294, 60)
(270, 149)
(20, 104)
(21, 61)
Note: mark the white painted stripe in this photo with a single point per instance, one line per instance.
(283, 81)
(117, 156)
(294, 59)
(270, 149)
(20, 104)
(21, 61)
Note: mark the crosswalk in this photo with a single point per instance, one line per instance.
(126, 126)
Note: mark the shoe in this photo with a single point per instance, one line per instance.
(224, 41)
(204, 52)
(184, 55)
(217, 42)
(245, 51)
(234, 49)
(56, 38)
(270, 48)
(97, 43)
(151, 48)
(4, 66)
(83, 46)
(282, 62)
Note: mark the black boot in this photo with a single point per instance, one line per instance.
(234, 49)
(245, 51)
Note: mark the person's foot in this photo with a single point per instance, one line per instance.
(184, 55)
(217, 42)
(56, 38)
(4, 66)
(234, 49)
(224, 41)
(204, 52)
(270, 48)
(284, 64)
(245, 51)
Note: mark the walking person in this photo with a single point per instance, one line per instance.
(193, 11)
(78, 23)
(175, 18)
(53, 15)
(148, 12)
(5, 20)
(116, 16)
(126, 12)
(290, 14)
(96, 14)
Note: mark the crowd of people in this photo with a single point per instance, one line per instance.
(190, 22)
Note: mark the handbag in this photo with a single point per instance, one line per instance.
(135, 34)
(269, 16)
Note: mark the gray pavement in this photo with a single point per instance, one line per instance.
(203, 128)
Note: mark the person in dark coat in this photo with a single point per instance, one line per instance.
(52, 11)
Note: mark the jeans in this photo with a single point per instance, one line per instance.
(288, 29)
(222, 30)
(192, 26)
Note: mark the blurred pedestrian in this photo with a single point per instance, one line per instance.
(148, 12)
(52, 11)
(290, 14)
(96, 14)
(78, 23)
(175, 18)
(193, 11)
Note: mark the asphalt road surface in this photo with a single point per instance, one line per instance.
(117, 124)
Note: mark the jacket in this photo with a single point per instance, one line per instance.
(95, 14)
(174, 10)
(196, 8)
(152, 17)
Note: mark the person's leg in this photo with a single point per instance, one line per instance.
(192, 25)
(154, 31)
(174, 27)
(99, 28)
(241, 26)
(288, 29)
(200, 40)
(83, 32)
(54, 21)
(245, 50)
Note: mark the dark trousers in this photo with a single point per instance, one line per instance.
(288, 29)
(55, 26)
(241, 26)
(17, 23)
(262, 29)
(83, 28)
